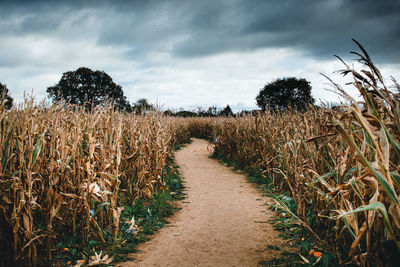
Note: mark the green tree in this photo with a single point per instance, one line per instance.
(186, 113)
(5, 97)
(286, 92)
(89, 89)
(168, 113)
(212, 111)
(142, 106)
(226, 112)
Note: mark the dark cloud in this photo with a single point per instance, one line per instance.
(325, 27)
(318, 28)
(200, 28)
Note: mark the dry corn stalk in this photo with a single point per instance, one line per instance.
(66, 170)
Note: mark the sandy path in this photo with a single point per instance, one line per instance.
(222, 221)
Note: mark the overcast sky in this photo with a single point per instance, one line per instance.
(193, 53)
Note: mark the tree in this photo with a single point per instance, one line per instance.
(168, 113)
(210, 112)
(226, 112)
(286, 92)
(142, 106)
(89, 89)
(185, 114)
(5, 97)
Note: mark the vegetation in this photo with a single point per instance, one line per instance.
(226, 112)
(200, 112)
(75, 180)
(65, 171)
(89, 89)
(5, 98)
(143, 106)
(283, 93)
(340, 167)
(138, 220)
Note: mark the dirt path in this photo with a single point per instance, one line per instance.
(223, 221)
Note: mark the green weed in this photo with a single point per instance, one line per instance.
(137, 222)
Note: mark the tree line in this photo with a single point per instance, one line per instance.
(89, 89)
(200, 112)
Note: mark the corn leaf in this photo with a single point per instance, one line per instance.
(373, 206)
(388, 189)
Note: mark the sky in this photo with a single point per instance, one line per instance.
(187, 54)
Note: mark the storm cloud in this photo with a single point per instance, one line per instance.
(149, 36)
(201, 28)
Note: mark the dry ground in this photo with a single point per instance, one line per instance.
(223, 220)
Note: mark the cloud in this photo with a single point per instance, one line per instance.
(181, 52)
(202, 28)
(318, 28)
(230, 78)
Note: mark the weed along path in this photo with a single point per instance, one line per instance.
(223, 220)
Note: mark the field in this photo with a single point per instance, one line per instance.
(65, 171)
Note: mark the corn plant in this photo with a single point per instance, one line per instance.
(66, 170)
(340, 165)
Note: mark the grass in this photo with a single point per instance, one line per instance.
(339, 166)
(149, 215)
(284, 222)
(66, 170)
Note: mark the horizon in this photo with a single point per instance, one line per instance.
(186, 54)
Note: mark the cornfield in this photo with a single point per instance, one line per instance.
(64, 170)
(341, 165)
(67, 171)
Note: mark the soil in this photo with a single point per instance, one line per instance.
(223, 220)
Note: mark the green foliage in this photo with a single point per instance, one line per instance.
(211, 111)
(290, 229)
(185, 114)
(284, 222)
(226, 112)
(5, 98)
(89, 89)
(142, 106)
(283, 93)
(148, 214)
(174, 184)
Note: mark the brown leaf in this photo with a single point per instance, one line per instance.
(394, 210)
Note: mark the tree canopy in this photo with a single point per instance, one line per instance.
(226, 112)
(5, 97)
(212, 111)
(142, 106)
(286, 92)
(89, 89)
